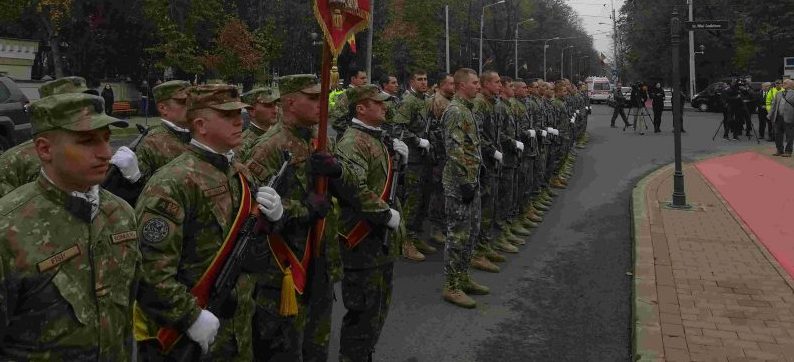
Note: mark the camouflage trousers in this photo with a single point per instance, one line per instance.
(304, 337)
(506, 196)
(540, 166)
(525, 183)
(418, 188)
(366, 294)
(489, 185)
(437, 214)
(463, 232)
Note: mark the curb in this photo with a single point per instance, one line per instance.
(645, 327)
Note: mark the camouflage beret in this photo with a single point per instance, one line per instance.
(171, 89)
(62, 86)
(221, 97)
(72, 111)
(304, 83)
(260, 95)
(367, 91)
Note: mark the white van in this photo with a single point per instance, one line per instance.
(598, 89)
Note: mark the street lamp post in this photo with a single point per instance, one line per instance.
(562, 59)
(482, 25)
(546, 46)
(679, 195)
(517, 24)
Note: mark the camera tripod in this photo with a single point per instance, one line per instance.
(752, 128)
(642, 113)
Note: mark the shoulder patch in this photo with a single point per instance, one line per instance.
(58, 258)
(215, 191)
(125, 236)
(168, 208)
(155, 230)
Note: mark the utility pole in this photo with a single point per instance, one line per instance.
(615, 42)
(369, 40)
(446, 17)
(482, 26)
(546, 46)
(516, 39)
(562, 59)
(692, 83)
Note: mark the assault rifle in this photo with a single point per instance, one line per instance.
(397, 170)
(214, 294)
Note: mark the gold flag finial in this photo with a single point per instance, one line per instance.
(337, 18)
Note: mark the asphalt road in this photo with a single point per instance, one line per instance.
(566, 296)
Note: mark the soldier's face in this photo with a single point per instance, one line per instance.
(305, 108)
(419, 83)
(493, 85)
(470, 87)
(79, 160)
(371, 112)
(520, 89)
(507, 91)
(221, 130)
(173, 110)
(359, 80)
(265, 113)
(447, 87)
(392, 86)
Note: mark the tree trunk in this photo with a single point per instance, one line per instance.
(55, 50)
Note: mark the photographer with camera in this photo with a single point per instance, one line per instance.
(734, 113)
(620, 102)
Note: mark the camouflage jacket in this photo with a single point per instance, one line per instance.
(508, 133)
(363, 152)
(185, 211)
(438, 104)
(534, 111)
(562, 117)
(19, 166)
(66, 285)
(462, 143)
(521, 113)
(486, 117)
(412, 115)
(264, 161)
(250, 136)
(161, 145)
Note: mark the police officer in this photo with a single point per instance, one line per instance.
(69, 268)
(462, 191)
(20, 164)
(368, 257)
(161, 144)
(186, 210)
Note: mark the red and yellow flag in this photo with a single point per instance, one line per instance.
(340, 20)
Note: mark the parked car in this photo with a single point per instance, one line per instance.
(598, 89)
(708, 100)
(14, 119)
(626, 94)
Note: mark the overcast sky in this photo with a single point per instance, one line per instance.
(593, 12)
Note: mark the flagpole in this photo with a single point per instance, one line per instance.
(321, 182)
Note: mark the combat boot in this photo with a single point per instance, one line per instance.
(423, 247)
(541, 206)
(452, 293)
(551, 192)
(510, 237)
(518, 229)
(438, 236)
(503, 245)
(471, 287)
(548, 201)
(534, 215)
(528, 223)
(493, 256)
(480, 262)
(410, 252)
(555, 183)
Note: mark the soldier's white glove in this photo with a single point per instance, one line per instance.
(127, 163)
(270, 203)
(548, 129)
(394, 220)
(573, 119)
(423, 143)
(204, 329)
(555, 132)
(520, 146)
(544, 133)
(532, 133)
(497, 156)
(401, 148)
(577, 111)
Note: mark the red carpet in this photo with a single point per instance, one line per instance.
(761, 191)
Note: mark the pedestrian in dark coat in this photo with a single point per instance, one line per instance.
(107, 95)
(657, 95)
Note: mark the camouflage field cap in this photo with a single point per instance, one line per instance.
(260, 95)
(367, 91)
(62, 86)
(304, 83)
(73, 112)
(221, 97)
(175, 89)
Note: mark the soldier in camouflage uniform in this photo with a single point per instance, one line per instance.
(445, 90)
(264, 115)
(488, 121)
(339, 113)
(185, 211)
(69, 256)
(304, 336)
(525, 180)
(412, 118)
(161, 144)
(462, 191)
(368, 262)
(20, 164)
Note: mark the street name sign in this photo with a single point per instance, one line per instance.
(707, 25)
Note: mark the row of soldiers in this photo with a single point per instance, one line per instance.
(484, 201)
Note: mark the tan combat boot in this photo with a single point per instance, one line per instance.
(493, 256)
(480, 262)
(503, 245)
(517, 228)
(410, 252)
(423, 247)
(471, 287)
(453, 294)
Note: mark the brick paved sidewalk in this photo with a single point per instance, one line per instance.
(704, 287)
